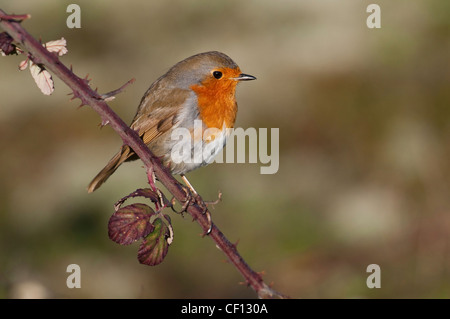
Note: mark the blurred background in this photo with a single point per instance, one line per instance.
(364, 175)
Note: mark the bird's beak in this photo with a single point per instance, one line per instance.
(244, 77)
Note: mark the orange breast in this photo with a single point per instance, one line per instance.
(217, 101)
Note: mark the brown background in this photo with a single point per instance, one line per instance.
(364, 151)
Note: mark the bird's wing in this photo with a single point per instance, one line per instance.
(158, 112)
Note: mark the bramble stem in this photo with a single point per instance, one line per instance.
(82, 90)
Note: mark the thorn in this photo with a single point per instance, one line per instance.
(104, 123)
(15, 17)
(261, 273)
(110, 95)
(244, 283)
(235, 244)
(86, 79)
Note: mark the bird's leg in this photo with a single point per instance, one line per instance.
(186, 202)
(188, 184)
(198, 197)
(214, 202)
(198, 200)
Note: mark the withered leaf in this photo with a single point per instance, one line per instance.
(155, 246)
(142, 192)
(6, 46)
(42, 78)
(130, 223)
(58, 46)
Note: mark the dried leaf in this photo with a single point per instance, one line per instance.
(141, 192)
(23, 65)
(109, 99)
(6, 45)
(42, 78)
(148, 193)
(130, 223)
(58, 46)
(155, 246)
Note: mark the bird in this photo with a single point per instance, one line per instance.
(199, 91)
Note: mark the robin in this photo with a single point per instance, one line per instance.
(200, 89)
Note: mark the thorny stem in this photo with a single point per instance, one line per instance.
(82, 90)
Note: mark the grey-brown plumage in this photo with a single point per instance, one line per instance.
(175, 100)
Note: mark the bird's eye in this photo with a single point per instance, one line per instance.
(217, 74)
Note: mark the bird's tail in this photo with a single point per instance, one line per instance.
(114, 163)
